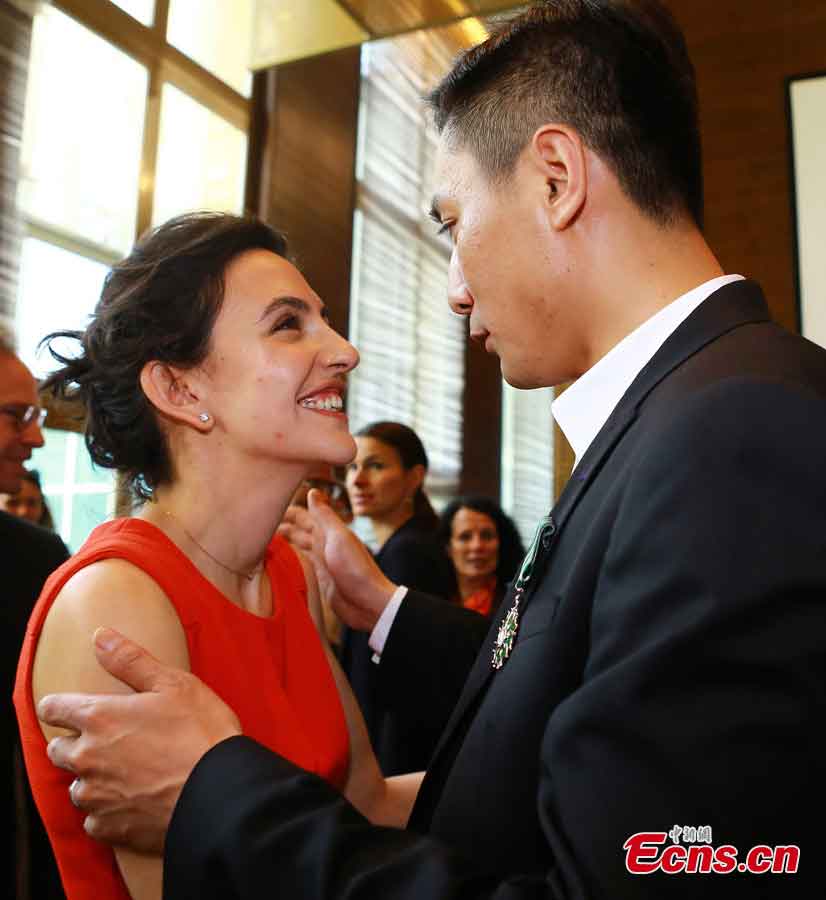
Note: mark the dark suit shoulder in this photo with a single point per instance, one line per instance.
(17, 536)
(413, 557)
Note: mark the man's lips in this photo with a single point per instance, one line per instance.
(482, 336)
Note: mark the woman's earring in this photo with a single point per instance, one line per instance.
(204, 417)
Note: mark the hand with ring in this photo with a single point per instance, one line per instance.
(72, 788)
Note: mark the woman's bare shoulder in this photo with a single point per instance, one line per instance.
(114, 593)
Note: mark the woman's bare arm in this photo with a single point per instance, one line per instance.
(114, 593)
(385, 801)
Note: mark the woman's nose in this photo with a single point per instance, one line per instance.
(341, 355)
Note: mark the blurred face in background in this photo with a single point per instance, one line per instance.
(378, 484)
(18, 390)
(27, 503)
(474, 544)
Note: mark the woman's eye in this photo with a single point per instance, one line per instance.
(289, 323)
(444, 227)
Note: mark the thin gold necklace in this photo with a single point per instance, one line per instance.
(248, 575)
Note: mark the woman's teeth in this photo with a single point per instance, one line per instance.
(332, 402)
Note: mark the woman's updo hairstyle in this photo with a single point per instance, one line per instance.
(411, 451)
(159, 303)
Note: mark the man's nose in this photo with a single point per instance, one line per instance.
(458, 293)
(32, 436)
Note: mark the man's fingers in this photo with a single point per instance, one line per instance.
(60, 750)
(297, 515)
(298, 537)
(323, 515)
(65, 710)
(130, 663)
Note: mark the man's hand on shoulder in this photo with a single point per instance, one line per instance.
(133, 753)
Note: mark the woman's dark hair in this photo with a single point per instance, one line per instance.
(511, 548)
(411, 451)
(45, 520)
(159, 303)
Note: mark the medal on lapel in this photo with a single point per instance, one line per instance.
(510, 624)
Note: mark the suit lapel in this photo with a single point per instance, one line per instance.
(735, 304)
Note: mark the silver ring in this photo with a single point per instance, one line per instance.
(72, 787)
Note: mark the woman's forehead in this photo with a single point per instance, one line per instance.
(259, 275)
(471, 518)
(372, 446)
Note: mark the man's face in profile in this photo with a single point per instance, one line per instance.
(507, 270)
(17, 390)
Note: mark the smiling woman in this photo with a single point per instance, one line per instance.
(213, 382)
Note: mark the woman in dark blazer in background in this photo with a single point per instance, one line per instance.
(385, 486)
(485, 548)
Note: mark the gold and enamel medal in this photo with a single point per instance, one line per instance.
(506, 635)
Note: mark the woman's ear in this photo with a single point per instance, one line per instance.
(416, 478)
(559, 153)
(175, 393)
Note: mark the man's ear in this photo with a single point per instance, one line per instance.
(559, 153)
(175, 393)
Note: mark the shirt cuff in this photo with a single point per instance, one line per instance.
(378, 636)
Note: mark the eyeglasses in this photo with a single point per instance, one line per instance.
(333, 490)
(23, 414)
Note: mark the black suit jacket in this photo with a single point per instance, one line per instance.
(28, 555)
(669, 669)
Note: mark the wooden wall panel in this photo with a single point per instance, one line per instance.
(482, 432)
(302, 166)
(743, 52)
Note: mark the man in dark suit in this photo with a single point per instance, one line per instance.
(644, 720)
(28, 555)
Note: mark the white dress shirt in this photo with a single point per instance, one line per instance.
(586, 405)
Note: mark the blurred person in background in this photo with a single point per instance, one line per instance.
(385, 484)
(29, 502)
(28, 554)
(485, 548)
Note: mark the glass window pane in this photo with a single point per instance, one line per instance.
(49, 459)
(142, 10)
(201, 159)
(88, 511)
(58, 290)
(82, 135)
(217, 35)
(79, 497)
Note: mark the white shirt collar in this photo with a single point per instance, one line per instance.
(586, 405)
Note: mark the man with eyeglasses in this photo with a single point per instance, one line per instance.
(28, 555)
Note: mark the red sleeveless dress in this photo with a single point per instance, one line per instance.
(271, 671)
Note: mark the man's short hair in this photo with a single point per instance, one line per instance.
(617, 71)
